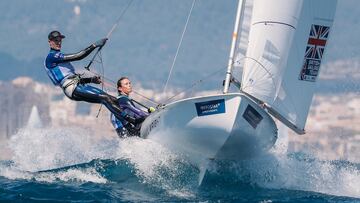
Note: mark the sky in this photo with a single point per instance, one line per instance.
(144, 44)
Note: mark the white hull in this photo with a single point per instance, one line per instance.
(220, 127)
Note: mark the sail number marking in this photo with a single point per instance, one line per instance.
(152, 125)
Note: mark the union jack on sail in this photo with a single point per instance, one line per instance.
(314, 52)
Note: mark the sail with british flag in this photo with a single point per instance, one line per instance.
(286, 48)
(314, 52)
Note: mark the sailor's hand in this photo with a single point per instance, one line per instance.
(151, 109)
(96, 79)
(100, 42)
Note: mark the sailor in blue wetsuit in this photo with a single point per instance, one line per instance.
(123, 127)
(62, 73)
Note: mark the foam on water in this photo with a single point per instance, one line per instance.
(69, 175)
(157, 166)
(281, 170)
(304, 172)
(45, 149)
(289, 172)
(37, 152)
(42, 149)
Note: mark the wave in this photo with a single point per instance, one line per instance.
(77, 156)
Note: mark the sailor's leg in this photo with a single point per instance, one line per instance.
(95, 95)
(122, 132)
(133, 130)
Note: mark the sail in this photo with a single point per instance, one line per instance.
(286, 45)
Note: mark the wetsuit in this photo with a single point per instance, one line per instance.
(119, 126)
(123, 127)
(62, 74)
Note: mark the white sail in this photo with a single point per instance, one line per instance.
(286, 45)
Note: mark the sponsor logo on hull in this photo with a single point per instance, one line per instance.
(210, 107)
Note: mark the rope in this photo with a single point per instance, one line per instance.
(102, 84)
(99, 53)
(194, 84)
(198, 82)
(110, 83)
(109, 34)
(179, 45)
(147, 98)
(118, 20)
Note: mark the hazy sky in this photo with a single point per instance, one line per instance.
(145, 41)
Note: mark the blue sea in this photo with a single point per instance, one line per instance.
(74, 165)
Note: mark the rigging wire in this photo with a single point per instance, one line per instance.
(147, 98)
(199, 81)
(98, 52)
(112, 84)
(109, 34)
(179, 45)
(171, 69)
(102, 84)
(194, 84)
(118, 20)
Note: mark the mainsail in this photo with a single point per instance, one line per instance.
(286, 44)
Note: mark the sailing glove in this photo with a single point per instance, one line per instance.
(151, 109)
(100, 42)
(96, 80)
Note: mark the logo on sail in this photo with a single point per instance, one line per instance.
(314, 52)
(210, 107)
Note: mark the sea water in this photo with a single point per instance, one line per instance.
(73, 164)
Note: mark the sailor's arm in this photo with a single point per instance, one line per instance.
(85, 52)
(130, 106)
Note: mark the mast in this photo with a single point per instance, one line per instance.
(239, 13)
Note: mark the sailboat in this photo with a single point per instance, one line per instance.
(285, 43)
